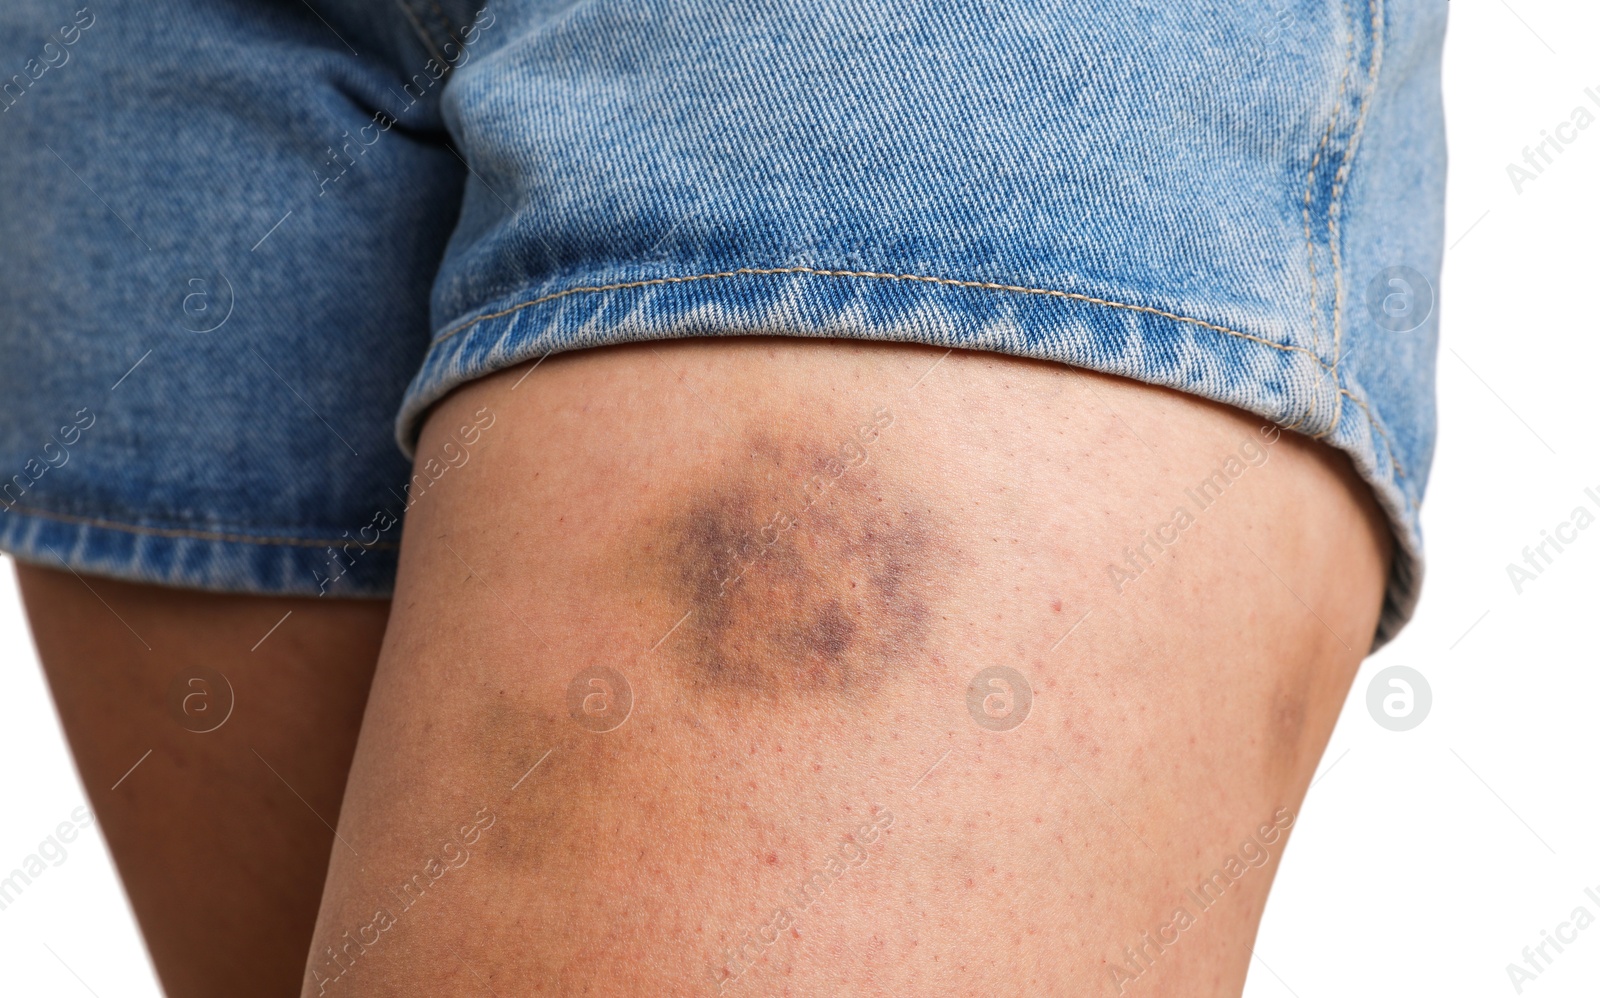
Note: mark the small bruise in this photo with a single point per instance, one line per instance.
(797, 575)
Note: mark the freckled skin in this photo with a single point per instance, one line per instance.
(814, 584)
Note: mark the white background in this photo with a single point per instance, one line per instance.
(1423, 861)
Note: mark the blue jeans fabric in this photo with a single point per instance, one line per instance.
(244, 246)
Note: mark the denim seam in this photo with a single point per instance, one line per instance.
(819, 272)
(1387, 444)
(1338, 105)
(1340, 390)
(1376, 12)
(203, 535)
(444, 19)
(420, 31)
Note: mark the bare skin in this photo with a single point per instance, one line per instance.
(219, 835)
(798, 556)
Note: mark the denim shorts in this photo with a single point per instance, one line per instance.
(244, 245)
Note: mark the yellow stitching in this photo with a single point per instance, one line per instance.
(202, 535)
(1338, 105)
(1388, 445)
(421, 32)
(985, 285)
(1304, 416)
(1375, 10)
(444, 19)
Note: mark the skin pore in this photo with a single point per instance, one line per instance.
(689, 688)
(221, 835)
(661, 712)
(853, 560)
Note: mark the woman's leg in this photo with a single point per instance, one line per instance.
(787, 568)
(215, 796)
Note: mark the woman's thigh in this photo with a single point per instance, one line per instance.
(213, 735)
(812, 667)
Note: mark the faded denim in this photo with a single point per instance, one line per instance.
(1243, 202)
